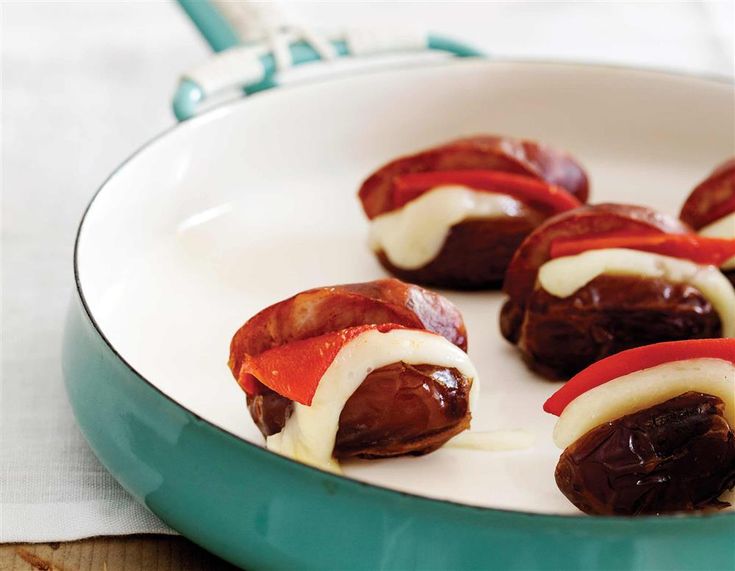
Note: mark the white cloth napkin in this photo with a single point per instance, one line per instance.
(86, 83)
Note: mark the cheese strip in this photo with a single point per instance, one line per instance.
(722, 228)
(644, 389)
(493, 441)
(414, 235)
(311, 431)
(563, 276)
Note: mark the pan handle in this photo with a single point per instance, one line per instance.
(253, 43)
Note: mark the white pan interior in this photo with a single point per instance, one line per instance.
(255, 202)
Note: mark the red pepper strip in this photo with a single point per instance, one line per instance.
(295, 369)
(714, 251)
(638, 359)
(535, 193)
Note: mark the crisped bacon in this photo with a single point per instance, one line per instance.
(712, 199)
(592, 221)
(323, 310)
(489, 153)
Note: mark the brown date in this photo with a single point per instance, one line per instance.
(475, 254)
(676, 456)
(398, 409)
(559, 337)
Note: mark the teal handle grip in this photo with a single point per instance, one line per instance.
(211, 23)
(221, 36)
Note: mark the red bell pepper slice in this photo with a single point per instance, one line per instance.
(714, 251)
(535, 193)
(637, 359)
(295, 369)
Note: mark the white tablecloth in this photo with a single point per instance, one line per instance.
(84, 84)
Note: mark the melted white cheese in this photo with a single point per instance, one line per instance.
(722, 228)
(494, 441)
(414, 235)
(563, 276)
(644, 389)
(311, 431)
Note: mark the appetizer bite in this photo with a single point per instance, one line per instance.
(710, 209)
(369, 370)
(649, 430)
(453, 215)
(601, 279)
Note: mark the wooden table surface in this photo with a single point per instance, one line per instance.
(132, 553)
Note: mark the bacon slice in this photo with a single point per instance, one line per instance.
(712, 199)
(591, 221)
(329, 309)
(489, 153)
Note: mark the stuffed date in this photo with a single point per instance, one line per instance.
(602, 279)
(361, 370)
(453, 215)
(650, 430)
(710, 209)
